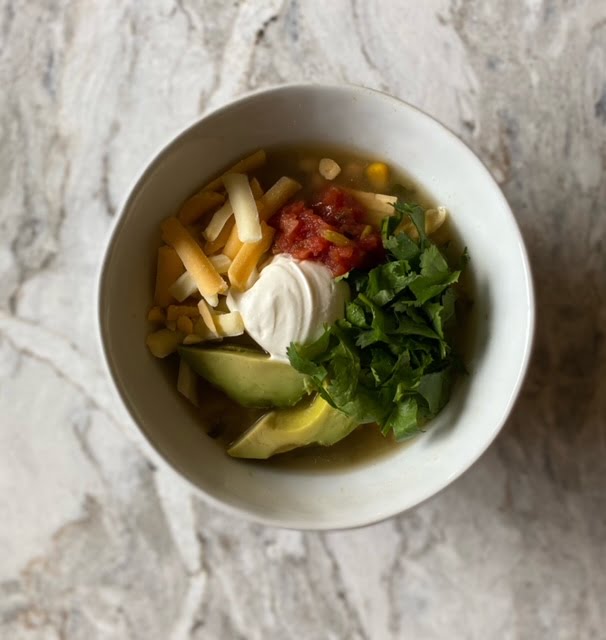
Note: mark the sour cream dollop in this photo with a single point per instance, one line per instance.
(290, 302)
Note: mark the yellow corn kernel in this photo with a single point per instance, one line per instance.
(185, 325)
(156, 315)
(163, 342)
(378, 174)
(174, 311)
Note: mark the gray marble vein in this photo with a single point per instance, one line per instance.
(100, 539)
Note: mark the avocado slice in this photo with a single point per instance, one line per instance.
(249, 377)
(312, 422)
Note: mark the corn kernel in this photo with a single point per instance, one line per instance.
(163, 342)
(185, 325)
(378, 175)
(156, 315)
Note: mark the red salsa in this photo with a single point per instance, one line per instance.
(331, 231)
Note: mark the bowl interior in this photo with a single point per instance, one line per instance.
(381, 127)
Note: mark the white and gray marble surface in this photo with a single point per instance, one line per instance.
(98, 539)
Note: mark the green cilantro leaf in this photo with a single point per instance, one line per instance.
(390, 360)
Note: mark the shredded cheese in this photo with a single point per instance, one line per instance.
(255, 187)
(273, 200)
(250, 163)
(183, 287)
(217, 222)
(208, 281)
(277, 196)
(220, 262)
(199, 204)
(247, 258)
(244, 207)
(169, 268)
(223, 237)
(212, 301)
(207, 316)
(378, 202)
(229, 324)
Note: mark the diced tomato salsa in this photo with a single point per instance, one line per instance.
(302, 232)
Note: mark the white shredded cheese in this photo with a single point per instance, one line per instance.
(244, 206)
(183, 287)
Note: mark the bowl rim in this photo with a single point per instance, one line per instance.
(250, 515)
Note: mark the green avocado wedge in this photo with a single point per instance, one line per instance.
(312, 422)
(249, 377)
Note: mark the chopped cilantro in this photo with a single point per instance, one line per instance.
(389, 360)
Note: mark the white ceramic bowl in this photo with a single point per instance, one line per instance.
(383, 127)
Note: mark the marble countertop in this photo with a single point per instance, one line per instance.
(100, 540)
